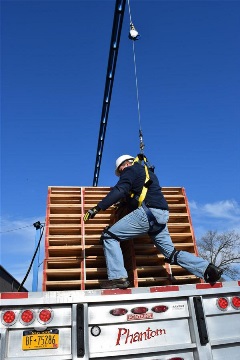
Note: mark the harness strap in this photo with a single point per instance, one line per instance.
(159, 229)
(152, 221)
(151, 218)
(147, 182)
(173, 257)
(106, 231)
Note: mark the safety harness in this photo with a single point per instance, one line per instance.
(154, 227)
(139, 158)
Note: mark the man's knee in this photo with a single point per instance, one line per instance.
(107, 234)
(173, 258)
(156, 229)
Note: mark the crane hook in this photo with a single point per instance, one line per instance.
(133, 33)
(141, 141)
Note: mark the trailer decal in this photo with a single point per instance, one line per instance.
(131, 317)
(124, 334)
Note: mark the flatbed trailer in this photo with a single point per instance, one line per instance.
(175, 322)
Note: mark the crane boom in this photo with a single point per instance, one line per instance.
(112, 60)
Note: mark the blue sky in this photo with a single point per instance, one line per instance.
(53, 68)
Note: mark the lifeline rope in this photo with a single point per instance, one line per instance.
(136, 80)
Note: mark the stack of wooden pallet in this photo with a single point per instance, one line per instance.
(74, 258)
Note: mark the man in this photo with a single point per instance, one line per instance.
(147, 216)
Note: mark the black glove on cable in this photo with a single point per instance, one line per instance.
(91, 213)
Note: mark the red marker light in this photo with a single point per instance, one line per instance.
(139, 310)
(45, 315)
(236, 302)
(160, 308)
(118, 312)
(27, 317)
(8, 317)
(222, 303)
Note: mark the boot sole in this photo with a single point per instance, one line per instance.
(117, 286)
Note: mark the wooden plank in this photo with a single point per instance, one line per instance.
(176, 238)
(156, 259)
(177, 207)
(72, 221)
(93, 250)
(182, 237)
(171, 188)
(65, 190)
(66, 201)
(178, 217)
(185, 279)
(57, 251)
(146, 271)
(63, 273)
(63, 263)
(178, 228)
(95, 270)
(96, 273)
(65, 226)
(63, 282)
(63, 285)
(66, 229)
(65, 196)
(65, 209)
(65, 216)
(64, 206)
(153, 281)
(95, 261)
(64, 242)
(66, 247)
(176, 197)
(65, 237)
(145, 249)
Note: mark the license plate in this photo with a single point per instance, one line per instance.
(36, 340)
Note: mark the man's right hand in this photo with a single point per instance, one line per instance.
(91, 213)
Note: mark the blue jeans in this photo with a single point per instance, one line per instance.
(135, 224)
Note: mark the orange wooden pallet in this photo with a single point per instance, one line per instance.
(74, 258)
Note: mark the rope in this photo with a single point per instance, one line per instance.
(136, 82)
(138, 103)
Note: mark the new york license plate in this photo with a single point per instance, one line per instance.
(36, 340)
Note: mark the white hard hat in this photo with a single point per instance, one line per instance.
(120, 160)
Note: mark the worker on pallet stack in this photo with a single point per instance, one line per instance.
(148, 213)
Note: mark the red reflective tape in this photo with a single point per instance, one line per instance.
(14, 295)
(116, 291)
(209, 286)
(238, 283)
(164, 288)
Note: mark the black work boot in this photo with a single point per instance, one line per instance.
(212, 274)
(115, 284)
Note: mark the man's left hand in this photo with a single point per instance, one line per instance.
(91, 213)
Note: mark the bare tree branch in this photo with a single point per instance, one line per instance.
(223, 250)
